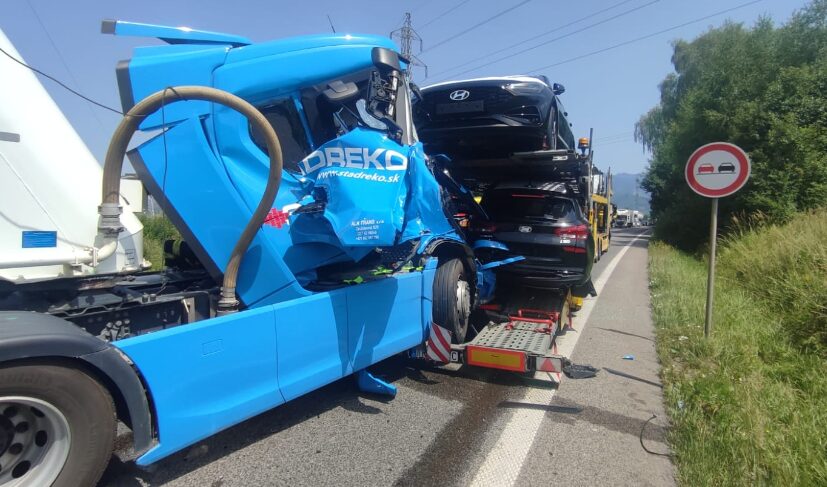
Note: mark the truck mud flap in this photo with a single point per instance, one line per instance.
(584, 290)
(438, 345)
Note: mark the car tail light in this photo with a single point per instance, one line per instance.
(574, 235)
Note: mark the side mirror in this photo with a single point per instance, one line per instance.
(384, 83)
(385, 60)
(416, 91)
(558, 89)
(339, 93)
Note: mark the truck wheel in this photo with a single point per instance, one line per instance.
(452, 298)
(57, 426)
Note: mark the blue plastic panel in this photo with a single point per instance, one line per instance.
(384, 318)
(312, 337)
(207, 376)
(158, 67)
(195, 182)
(428, 296)
(176, 35)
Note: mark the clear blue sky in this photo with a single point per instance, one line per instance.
(607, 91)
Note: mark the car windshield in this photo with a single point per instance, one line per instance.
(511, 204)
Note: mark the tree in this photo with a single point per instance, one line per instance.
(761, 88)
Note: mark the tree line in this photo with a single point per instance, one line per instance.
(762, 88)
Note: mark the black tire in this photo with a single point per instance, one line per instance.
(447, 310)
(85, 405)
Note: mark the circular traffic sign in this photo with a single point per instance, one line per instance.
(718, 169)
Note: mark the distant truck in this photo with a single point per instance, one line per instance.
(628, 218)
(637, 218)
(622, 219)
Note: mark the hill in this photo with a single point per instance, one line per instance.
(624, 192)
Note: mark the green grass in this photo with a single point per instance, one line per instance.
(157, 229)
(749, 405)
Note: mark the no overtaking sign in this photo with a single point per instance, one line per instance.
(716, 170)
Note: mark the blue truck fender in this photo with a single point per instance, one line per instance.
(27, 335)
(449, 247)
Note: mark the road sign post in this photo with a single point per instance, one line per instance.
(710, 279)
(716, 170)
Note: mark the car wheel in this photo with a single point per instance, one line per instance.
(452, 299)
(57, 426)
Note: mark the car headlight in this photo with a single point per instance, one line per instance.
(524, 88)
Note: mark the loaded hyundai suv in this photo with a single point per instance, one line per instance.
(544, 224)
(492, 117)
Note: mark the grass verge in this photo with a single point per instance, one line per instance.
(157, 229)
(749, 405)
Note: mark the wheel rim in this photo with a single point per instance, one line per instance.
(463, 302)
(34, 441)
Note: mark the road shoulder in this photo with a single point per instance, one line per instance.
(593, 428)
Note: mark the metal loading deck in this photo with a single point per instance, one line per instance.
(525, 343)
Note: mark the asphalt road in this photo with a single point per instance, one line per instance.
(462, 426)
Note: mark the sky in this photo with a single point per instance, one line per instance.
(607, 91)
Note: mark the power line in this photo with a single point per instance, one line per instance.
(555, 29)
(610, 138)
(62, 84)
(620, 134)
(598, 144)
(443, 14)
(62, 59)
(555, 39)
(420, 6)
(647, 36)
(478, 24)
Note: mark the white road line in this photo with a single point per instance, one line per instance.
(504, 462)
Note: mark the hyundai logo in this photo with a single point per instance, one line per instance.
(459, 95)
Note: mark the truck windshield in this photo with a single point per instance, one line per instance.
(326, 126)
(510, 204)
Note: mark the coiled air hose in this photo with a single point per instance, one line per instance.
(109, 225)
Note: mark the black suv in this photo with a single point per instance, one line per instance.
(541, 222)
(492, 117)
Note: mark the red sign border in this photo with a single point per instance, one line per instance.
(740, 155)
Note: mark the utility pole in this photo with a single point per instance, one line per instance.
(406, 35)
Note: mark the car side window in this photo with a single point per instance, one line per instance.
(284, 118)
(565, 138)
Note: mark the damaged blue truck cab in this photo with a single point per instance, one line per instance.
(342, 273)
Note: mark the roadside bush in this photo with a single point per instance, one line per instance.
(785, 266)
